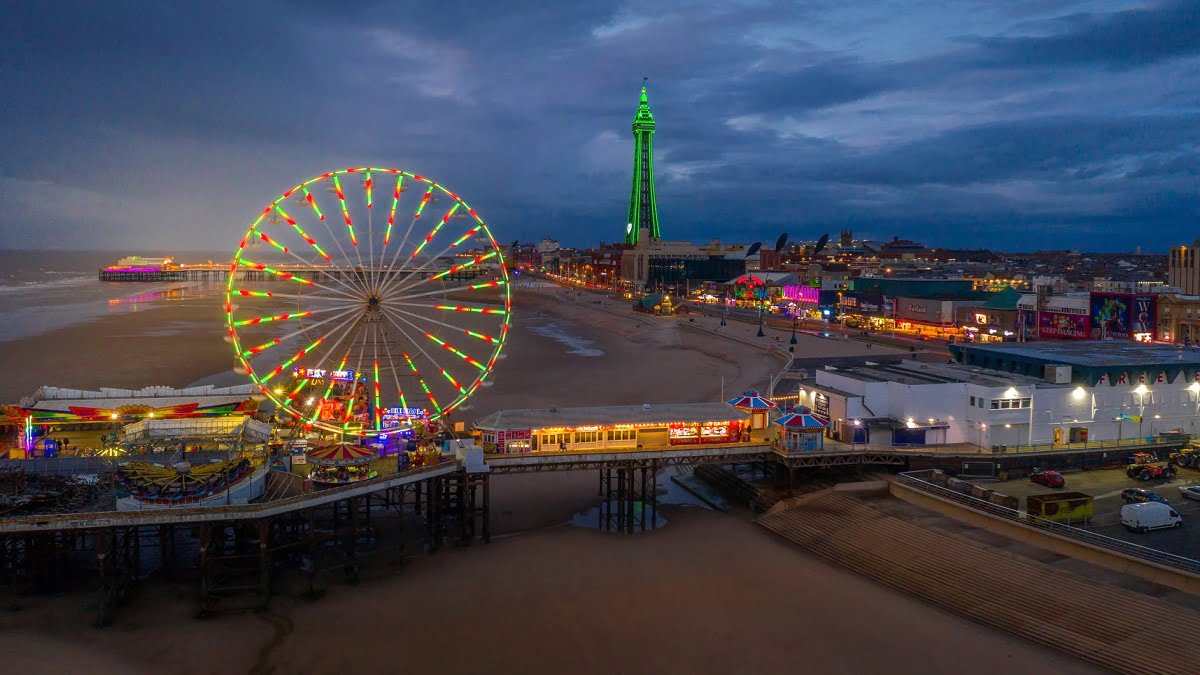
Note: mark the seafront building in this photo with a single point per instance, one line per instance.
(1012, 394)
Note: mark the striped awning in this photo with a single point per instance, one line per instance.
(751, 400)
(800, 421)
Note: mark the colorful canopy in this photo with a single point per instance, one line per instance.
(801, 421)
(752, 401)
(340, 454)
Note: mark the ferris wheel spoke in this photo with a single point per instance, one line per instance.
(303, 235)
(387, 351)
(329, 230)
(354, 386)
(280, 317)
(446, 272)
(453, 308)
(391, 272)
(289, 276)
(296, 357)
(413, 367)
(351, 291)
(433, 232)
(375, 363)
(477, 336)
(387, 235)
(400, 295)
(267, 345)
(345, 357)
(445, 373)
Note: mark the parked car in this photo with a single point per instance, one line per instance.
(1052, 479)
(1190, 491)
(1148, 516)
(1140, 495)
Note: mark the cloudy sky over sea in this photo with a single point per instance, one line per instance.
(1020, 124)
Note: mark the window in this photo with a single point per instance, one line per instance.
(587, 436)
(621, 435)
(1012, 403)
(972, 401)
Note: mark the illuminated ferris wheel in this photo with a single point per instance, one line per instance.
(358, 317)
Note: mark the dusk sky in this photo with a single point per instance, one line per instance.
(1008, 124)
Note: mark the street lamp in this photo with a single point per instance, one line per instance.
(794, 318)
(1141, 392)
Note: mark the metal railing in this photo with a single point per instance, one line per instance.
(915, 479)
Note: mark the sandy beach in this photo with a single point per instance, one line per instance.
(709, 592)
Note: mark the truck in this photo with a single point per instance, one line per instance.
(1185, 457)
(1142, 467)
(1063, 507)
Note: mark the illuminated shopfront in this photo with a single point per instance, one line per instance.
(612, 428)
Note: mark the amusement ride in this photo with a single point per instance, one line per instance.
(367, 302)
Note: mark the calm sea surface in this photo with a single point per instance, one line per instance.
(42, 291)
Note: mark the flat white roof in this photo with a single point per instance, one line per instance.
(542, 418)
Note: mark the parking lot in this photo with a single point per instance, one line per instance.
(1105, 486)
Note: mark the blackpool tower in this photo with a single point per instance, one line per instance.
(643, 211)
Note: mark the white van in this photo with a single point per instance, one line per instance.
(1148, 516)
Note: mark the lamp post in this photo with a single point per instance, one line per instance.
(854, 432)
(794, 318)
(1141, 392)
(760, 297)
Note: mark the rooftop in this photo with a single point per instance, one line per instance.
(542, 418)
(916, 373)
(1091, 353)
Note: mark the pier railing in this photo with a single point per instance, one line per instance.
(919, 480)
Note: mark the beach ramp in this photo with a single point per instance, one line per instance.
(1119, 629)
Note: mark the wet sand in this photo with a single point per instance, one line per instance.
(709, 593)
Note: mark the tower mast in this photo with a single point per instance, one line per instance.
(643, 209)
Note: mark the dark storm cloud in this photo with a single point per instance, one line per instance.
(970, 123)
(1123, 39)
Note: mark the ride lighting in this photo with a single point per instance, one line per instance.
(910, 423)
(1141, 389)
(114, 416)
(1079, 393)
(1194, 387)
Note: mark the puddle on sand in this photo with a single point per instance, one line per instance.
(580, 346)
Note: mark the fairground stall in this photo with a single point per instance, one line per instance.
(341, 463)
(801, 431)
(614, 427)
(756, 406)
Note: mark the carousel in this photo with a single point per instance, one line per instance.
(802, 431)
(144, 485)
(341, 464)
(757, 406)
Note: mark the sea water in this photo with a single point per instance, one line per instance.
(41, 291)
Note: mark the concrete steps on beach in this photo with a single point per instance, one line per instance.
(1110, 626)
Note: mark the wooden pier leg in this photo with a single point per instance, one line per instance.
(654, 497)
(487, 509)
(264, 563)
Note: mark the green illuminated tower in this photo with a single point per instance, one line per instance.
(643, 210)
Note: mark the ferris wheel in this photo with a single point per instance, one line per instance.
(361, 317)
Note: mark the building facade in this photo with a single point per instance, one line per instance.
(1183, 269)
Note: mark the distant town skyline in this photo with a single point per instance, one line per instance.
(1011, 126)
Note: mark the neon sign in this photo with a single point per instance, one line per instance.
(322, 374)
(801, 294)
